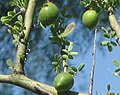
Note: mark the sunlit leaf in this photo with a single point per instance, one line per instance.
(116, 63)
(73, 53)
(68, 30)
(74, 68)
(9, 63)
(70, 46)
(104, 43)
(81, 67)
(20, 18)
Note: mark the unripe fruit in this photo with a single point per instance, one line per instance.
(48, 14)
(90, 19)
(63, 82)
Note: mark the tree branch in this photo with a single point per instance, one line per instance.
(34, 86)
(93, 65)
(19, 66)
(114, 24)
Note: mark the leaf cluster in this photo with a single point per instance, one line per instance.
(109, 34)
(14, 21)
(99, 5)
(117, 70)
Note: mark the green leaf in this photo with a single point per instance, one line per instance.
(83, 3)
(110, 48)
(106, 35)
(65, 51)
(74, 68)
(20, 18)
(11, 13)
(68, 30)
(113, 43)
(6, 19)
(104, 43)
(117, 70)
(108, 87)
(71, 72)
(56, 57)
(70, 46)
(9, 63)
(112, 34)
(70, 56)
(81, 67)
(65, 56)
(104, 30)
(73, 53)
(116, 63)
(54, 63)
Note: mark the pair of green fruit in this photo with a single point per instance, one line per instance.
(49, 14)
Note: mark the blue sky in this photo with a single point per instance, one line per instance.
(103, 69)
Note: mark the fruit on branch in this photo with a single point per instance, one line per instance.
(48, 14)
(90, 18)
(63, 82)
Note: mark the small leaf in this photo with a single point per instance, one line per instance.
(117, 70)
(56, 57)
(110, 48)
(108, 87)
(20, 18)
(73, 53)
(68, 30)
(106, 35)
(9, 63)
(65, 51)
(81, 67)
(65, 56)
(104, 43)
(116, 63)
(83, 3)
(104, 30)
(112, 34)
(11, 13)
(70, 46)
(74, 68)
(113, 43)
(70, 56)
(54, 63)
(71, 72)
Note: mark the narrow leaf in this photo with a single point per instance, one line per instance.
(113, 43)
(74, 68)
(108, 87)
(104, 43)
(117, 70)
(110, 48)
(81, 67)
(70, 46)
(73, 53)
(68, 30)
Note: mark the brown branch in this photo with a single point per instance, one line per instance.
(19, 66)
(114, 24)
(31, 85)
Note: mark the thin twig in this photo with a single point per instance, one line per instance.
(93, 65)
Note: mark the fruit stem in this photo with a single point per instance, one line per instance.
(93, 64)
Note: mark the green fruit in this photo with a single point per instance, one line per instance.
(63, 82)
(90, 19)
(48, 14)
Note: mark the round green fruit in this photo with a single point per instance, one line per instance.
(63, 82)
(90, 19)
(48, 14)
